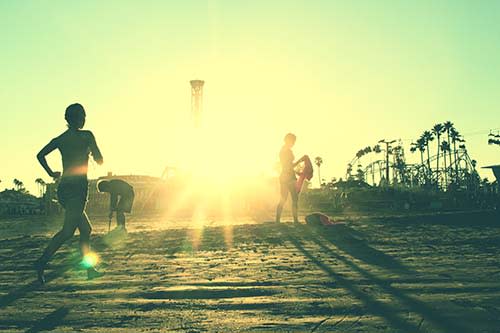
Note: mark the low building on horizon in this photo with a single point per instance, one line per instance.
(14, 202)
(148, 190)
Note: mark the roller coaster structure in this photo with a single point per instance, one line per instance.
(460, 173)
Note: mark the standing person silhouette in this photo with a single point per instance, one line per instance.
(288, 180)
(75, 146)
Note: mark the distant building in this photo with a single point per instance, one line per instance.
(149, 195)
(14, 202)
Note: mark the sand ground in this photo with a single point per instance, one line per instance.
(369, 275)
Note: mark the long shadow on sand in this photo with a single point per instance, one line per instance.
(24, 290)
(297, 235)
(469, 219)
(351, 242)
(50, 322)
(206, 293)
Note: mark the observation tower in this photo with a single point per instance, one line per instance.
(197, 100)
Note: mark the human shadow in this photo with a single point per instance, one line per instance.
(167, 243)
(207, 293)
(430, 314)
(50, 322)
(22, 291)
(372, 305)
(352, 242)
(481, 218)
(277, 308)
(213, 238)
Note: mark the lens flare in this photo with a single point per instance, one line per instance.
(90, 260)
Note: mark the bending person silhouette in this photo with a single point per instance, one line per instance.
(288, 180)
(75, 146)
(121, 200)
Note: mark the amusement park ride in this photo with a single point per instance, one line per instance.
(449, 167)
(494, 139)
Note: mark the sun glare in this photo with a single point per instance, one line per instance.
(224, 155)
(90, 260)
(223, 173)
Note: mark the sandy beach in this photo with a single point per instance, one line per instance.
(361, 276)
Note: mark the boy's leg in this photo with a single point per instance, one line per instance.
(55, 243)
(124, 206)
(72, 218)
(120, 218)
(295, 202)
(85, 229)
(283, 195)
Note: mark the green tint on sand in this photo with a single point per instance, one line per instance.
(364, 276)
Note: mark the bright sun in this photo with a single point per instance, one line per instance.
(228, 170)
(226, 155)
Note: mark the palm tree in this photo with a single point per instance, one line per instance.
(438, 130)
(445, 147)
(38, 184)
(413, 147)
(16, 183)
(455, 137)
(41, 186)
(420, 146)
(318, 161)
(426, 138)
(448, 127)
(44, 187)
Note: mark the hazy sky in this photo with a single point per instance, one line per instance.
(340, 74)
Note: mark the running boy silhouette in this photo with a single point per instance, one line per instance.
(121, 199)
(75, 146)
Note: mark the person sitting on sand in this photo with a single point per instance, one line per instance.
(75, 146)
(288, 180)
(121, 199)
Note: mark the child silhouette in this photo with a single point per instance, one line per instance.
(75, 145)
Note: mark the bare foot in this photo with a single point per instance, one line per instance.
(92, 273)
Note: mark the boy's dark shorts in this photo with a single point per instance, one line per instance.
(125, 203)
(72, 191)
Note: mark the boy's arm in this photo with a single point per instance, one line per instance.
(300, 160)
(50, 147)
(94, 149)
